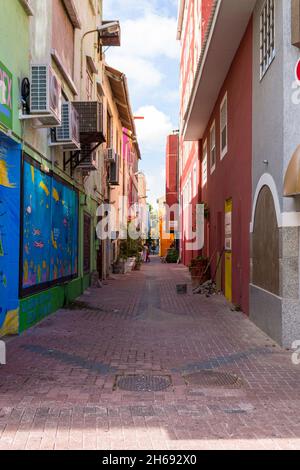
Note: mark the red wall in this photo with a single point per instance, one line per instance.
(171, 170)
(207, 6)
(233, 175)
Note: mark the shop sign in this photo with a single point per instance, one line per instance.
(6, 99)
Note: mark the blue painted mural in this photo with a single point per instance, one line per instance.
(50, 229)
(10, 161)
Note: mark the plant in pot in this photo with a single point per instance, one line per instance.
(138, 262)
(172, 256)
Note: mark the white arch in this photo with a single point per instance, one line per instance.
(266, 180)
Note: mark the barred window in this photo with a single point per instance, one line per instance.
(224, 127)
(213, 150)
(267, 36)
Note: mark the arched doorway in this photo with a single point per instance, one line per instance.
(265, 244)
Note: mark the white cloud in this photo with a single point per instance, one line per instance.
(140, 72)
(150, 36)
(153, 130)
(156, 183)
(143, 41)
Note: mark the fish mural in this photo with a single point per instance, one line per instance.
(10, 164)
(4, 176)
(50, 235)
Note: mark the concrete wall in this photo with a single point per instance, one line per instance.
(276, 134)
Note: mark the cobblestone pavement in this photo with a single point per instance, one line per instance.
(60, 390)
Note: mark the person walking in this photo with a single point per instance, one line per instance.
(145, 253)
(148, 255)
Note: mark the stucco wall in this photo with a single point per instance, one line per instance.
(14, 49)
(232, 176)
(276, 134)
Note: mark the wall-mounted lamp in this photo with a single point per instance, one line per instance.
(111, 28)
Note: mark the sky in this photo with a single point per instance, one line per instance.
(149, 56)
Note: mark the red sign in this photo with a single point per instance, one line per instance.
(297, 71)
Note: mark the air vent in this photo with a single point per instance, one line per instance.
(114, 172)
(110, 155)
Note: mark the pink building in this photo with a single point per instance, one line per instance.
(216, 136)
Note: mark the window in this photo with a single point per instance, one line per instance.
(224, 127)
(195, 189)
(204, 165)
(267, 36)
(213, 150)
(109, 138)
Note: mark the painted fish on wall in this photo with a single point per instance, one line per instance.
(10, 156)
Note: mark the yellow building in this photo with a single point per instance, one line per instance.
(166, 239)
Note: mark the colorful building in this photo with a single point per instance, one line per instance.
(240, 118)
(59, 116)
(14, 46)
(172, 184)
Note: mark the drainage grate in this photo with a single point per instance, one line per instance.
(143, 383)
(210, 379)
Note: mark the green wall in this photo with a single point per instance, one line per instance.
(14, 49)
(15, 55)
(35, 308)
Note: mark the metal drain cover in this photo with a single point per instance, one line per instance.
(143, 383)
(211, 378)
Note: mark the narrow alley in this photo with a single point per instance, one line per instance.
(134, 365)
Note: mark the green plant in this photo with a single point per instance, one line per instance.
(172, 256)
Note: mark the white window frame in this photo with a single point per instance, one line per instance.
(267, 49)
(224, 151)
(195, 180)
(212, 147)
(204, 159)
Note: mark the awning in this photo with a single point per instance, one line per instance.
(227, 27)
(292, 176)
(119, 88)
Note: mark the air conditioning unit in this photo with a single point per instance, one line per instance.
(67, 135)
(113, 175)
(88, 158)
(110, 155)
(92, 121)
(45, 96)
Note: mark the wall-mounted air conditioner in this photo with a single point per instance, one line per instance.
(113, 174)
(67, 135)
(45, 96)
(88, 158)
(92, 121)
(110, 155)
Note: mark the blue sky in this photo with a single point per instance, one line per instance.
(149, 56)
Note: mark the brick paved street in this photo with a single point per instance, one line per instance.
(58, 390)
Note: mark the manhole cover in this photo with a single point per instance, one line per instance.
(143, 383)
(210, 379)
